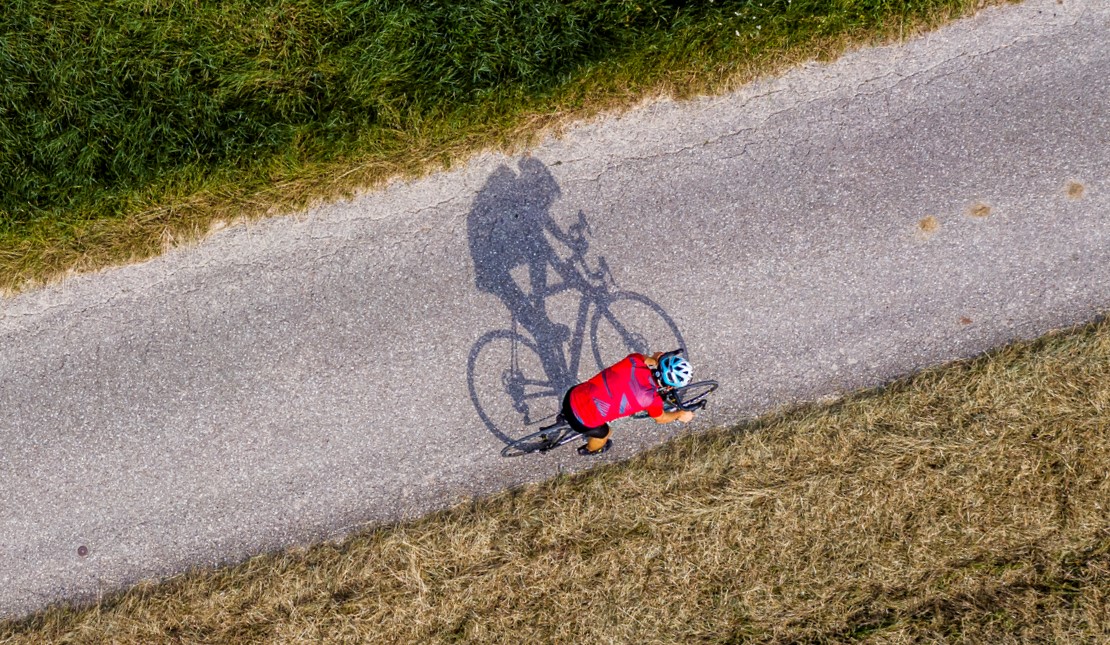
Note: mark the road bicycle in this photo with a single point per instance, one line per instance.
(691, 397)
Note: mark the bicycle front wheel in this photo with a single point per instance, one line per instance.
(693, 396)
(541, 441)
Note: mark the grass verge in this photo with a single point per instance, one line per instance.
(127, 127)
(966, 504)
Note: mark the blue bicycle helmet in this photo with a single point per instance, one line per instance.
(675, 371)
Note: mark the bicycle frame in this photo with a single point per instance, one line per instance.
(560, 432)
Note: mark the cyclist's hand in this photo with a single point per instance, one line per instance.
(686, 416)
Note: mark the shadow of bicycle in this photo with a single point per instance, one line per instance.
(517, 375)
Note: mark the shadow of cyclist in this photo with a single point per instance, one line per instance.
(516, 376)
(507, 228)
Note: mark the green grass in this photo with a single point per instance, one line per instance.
(965, 504)
(129, 125)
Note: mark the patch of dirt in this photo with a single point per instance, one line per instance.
(979, 209)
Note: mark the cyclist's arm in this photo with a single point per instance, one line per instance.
(684, 416)
(653, 360)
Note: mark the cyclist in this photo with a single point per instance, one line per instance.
(623, 389)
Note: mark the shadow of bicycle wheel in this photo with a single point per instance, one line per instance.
(509, 386)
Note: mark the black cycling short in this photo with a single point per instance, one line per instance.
(573, 422)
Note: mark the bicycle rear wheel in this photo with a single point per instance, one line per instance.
(541, 441)
(692, 396)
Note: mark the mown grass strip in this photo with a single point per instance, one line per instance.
(968, 503)
(129, 126)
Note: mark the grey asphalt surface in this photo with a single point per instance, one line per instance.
(289, 381)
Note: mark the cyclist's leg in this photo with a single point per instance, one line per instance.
(598, 437)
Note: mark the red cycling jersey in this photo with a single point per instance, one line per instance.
(618, 391)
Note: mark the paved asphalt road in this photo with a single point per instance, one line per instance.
(287, 381)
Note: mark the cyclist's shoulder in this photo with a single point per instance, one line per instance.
(626, 364)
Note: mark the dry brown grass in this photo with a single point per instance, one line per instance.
(968, 504)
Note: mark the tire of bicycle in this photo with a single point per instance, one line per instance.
(540, 441)
(692, 396)
(695, 401)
